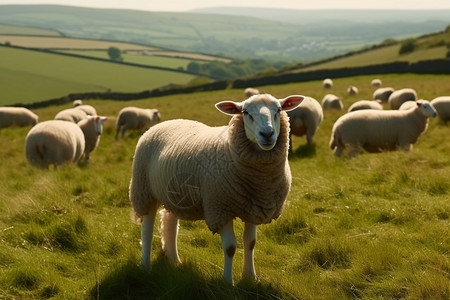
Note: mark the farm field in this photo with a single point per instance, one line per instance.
(31, 76)
(373, 227)
(21, 30)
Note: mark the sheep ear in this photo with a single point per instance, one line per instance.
(291, 102)
(229, 107)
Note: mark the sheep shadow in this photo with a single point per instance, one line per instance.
(168, 281)
(303, 151)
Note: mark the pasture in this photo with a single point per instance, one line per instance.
(373, 227)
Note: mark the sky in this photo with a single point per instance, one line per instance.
(186, 5)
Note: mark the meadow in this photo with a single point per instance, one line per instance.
(373, 227)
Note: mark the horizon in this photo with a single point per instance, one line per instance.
(180, 6)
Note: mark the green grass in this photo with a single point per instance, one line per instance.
(11, 29)
(374, 227)
(29, 76)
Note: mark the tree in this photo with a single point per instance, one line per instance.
(407, 46)
(115, 54)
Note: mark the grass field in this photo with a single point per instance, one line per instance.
(374, 227)
(30, 76)
(10, 29)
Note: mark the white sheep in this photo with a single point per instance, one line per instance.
(17, 116)
(327, 83)
(305, 119)
(88, 109)
(352, 90)
(92, 128)
(215, 174)
(54, 142)
(407, 105)
(136, 118)
(77, 102)
(380, 130)
(383, 94)
(250, 92)
(365, 104)
(331, 101)
(397, 98)
(71, 114)
(375, 82)
(442, 106)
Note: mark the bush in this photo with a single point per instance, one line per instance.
(407, 46)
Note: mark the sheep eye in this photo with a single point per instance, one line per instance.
(247, 114)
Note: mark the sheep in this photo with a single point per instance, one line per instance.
(399, 96)
(383, 94)
(18, 116)
(407, 105)
(215, 174)
(352, 90)
(380, 130)
(365, 104)
(306, 118)
(250, 92)
(331, 101)
(327, 83)
(54, 142)
(77, 102)
(88, 109)
(92, 128)
(136, 118)
(71, 114)
(442, 106)
(376, 82)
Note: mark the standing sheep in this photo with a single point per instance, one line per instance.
(136, 118)
(331, 101)
(365, 104)
(352, 90)
(92, 128)
(442, 106)
(54, 142)
(407, 105)
(215, 174)
(71, 114)
(383, 94)
(18, 116)
(250, 92)
(306, 118)
(327, 83)
(380, 130)
(397, 98)
(376, 82)
(88, 109)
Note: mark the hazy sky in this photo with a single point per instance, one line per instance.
(184, 5)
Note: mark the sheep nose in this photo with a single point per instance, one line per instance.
(266, 134)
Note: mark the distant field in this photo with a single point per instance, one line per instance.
(11, 29)
(31, 76)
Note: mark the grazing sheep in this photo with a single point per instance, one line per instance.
(250, 92)
(54, 142)
(215, 174)
(380, 130)
(383, 94)
(327, 83)
(71, 114)
(331, 101)
(88, 109)
(306, 118)
(365, 104)
(352, 90)
(136, 118)
(18, 116)
(77, 102)
(92, 128)
(376, 82)
(442, 106)
(399, 96)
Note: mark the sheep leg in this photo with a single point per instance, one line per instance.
(146, 238)
(124, 128)
(249, 238)
(169, 232)
(229, 245)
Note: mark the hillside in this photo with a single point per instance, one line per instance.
(293, 36)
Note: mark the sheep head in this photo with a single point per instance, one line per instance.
(261, 116)
(426, 108)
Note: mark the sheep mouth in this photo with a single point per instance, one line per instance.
(266, 146)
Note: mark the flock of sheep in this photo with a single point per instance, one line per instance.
(216, 174)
